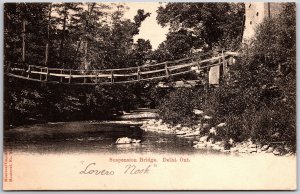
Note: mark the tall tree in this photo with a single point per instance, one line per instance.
(210, 23)
(34, 16)
(141, 52)
(65, 12)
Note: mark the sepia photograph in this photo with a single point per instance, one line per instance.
(149, 96)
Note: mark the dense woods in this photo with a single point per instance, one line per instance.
(70, 35)
(258, 101)
(73, 35)
(92, 36)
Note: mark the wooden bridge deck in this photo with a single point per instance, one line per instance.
(123, 75)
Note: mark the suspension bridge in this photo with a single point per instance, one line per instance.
(156, 71)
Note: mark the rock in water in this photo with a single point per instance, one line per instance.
(124, 140)
(243, 150)
(178, 126)
(198, 112)
(218, 143)
(185, 129)
(265, 147)
(136, 141)
(195, 142)
(252, 150)
(225, 151)
(231, 142)
(270, 150)
(216, 147)
(252, 146)
(200, 145)
(234, 149)
(203, 139)
(151, 122)
(276, 152)
(180, 132)
(159, 122)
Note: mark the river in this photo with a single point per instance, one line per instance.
(94, 137)
(91, 137)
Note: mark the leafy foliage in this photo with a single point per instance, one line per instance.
(77, 36)
(265, 79)
(177, 106)
(199, 25)
(260, 100)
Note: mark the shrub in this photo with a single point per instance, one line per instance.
(177, 106)
(260, 100)
(264, 83)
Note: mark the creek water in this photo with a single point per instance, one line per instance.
(92, 137)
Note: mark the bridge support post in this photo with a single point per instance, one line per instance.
(225, 67)
(166, 69)
(138, 73)
(29, 71)
(70, 76)
(41, 74)
(47, 73)
(112, 76)
(61, 78)
(96, 77)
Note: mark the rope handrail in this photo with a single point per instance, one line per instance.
(133, 68)
(170, 68)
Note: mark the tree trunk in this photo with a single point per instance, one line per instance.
(90, 10)
(48, 36)
(23, 41)
(85, 61)
(63, 34)
(77, 50)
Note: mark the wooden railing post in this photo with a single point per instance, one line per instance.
(29, 71)
(138, 73)
(96, 77)
(41, 74)
(198, 61)
(225, 70)
(47, 73)
(112, 76)
(166, 69)
(230, 60)
(61, 75)
(70, 76)
(84, 78)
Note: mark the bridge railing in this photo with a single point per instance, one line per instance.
(121, 75)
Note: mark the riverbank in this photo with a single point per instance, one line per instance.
(207, 137)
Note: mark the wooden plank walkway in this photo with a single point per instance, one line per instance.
(123, 75)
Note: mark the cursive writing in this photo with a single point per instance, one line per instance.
(132, 169)
(89, 170)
